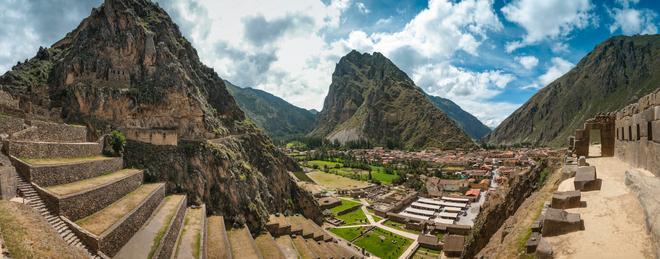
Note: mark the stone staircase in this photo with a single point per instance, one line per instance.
(95, 203)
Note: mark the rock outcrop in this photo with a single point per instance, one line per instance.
(372, 100)
(617, 72)
(128, 66)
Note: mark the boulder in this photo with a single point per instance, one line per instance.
(557, 222)
(585, 178)
(566, 200)
(647, 189)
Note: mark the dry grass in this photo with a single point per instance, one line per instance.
(334, 181)
(60, 161)
(90, 183)
(100, 221)
(268, 247)
(28, 235)
(242, 245)
(216, 247)
(169, 203)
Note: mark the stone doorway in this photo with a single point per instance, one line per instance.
(596, 138)
(595, 143)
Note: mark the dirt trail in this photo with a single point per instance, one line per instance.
(613, 219)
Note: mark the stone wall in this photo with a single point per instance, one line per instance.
(638, 133)
(9, 124)
(67, 173)
(8, 182)
(152, 136)
(24, 149)
(80, 205)
(51, 132)
(114, 238)
(646, 188)
(167, 244)
(501, 205)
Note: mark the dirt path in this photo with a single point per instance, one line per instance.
(613, 219)
(520, 223)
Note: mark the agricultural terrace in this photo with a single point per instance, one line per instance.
(375, 173)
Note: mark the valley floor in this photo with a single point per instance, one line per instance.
(613, 219)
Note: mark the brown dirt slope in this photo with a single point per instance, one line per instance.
(28, 235)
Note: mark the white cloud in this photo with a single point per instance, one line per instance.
(559, 47)
(632, 21)
(362, 8)
(547, 19)
(471, 90)
(528, 62)
(559, 67)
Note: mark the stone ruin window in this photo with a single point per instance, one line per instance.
(629, 132)
(638, 136)
(649, 130)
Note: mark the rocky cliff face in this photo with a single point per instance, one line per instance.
(127, 65)
(279, 119)
(466, 121)
(371, 99)
(617, 72)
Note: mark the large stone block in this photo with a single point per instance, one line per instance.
(8, 182)
(656, 113)
(585, 178)
(655, 126)
(566, 200)
(557, 222)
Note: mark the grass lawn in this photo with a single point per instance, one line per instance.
(383, 244)
(376, 218)
(426, 253)
(303, 177)
(321, 163)
(334, 181)
(356, 217)
(399, 226)
(345, 204)
(379, 174)
(348, 233)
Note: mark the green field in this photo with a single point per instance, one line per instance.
(356, 217)
(399, 226)
(345, 204)
(348, 233)
(383, 244)
(333, 181)
(426, 253)
(377, 172)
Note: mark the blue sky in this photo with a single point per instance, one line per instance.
(487, 56)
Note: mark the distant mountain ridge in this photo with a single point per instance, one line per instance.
(617, 72)
(278, 118)
(370, 99)
(466, 121)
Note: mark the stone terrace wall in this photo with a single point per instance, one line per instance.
(638, 133)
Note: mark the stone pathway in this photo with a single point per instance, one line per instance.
(613, 219)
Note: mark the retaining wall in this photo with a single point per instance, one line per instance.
(40, 150)
(49, 175)
(638, 133)
(168, 242)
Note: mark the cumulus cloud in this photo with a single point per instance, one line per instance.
(528, 62)
(548, 19)
(558, 68)
(27, 25)
(259, 31)
(471, 90)
(632, 21)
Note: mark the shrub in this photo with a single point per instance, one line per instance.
(117, 142)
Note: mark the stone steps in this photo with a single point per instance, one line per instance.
(218, 242)
(242, 244)
(41, 150)
(192, 238)
(80, 199)
(268, 247)
(302, 248)
(47, 172)
(157, 238)
(109, 229)
(286, 246)
(56, 222)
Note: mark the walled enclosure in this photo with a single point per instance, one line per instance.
(638, 133)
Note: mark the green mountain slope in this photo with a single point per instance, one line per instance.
(278, 118)
(371, 99)
(466, 121)
(617, 72)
